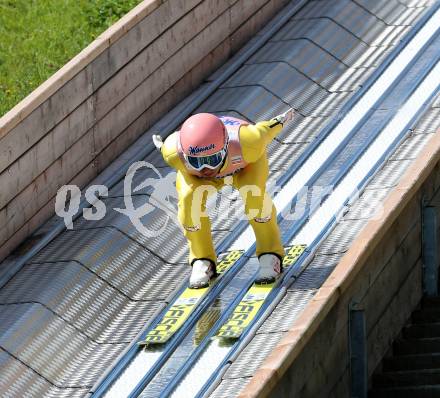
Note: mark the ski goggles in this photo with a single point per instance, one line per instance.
(210, 162)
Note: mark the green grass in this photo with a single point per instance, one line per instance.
(37, 37)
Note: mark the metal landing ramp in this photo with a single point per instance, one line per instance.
(76, 305)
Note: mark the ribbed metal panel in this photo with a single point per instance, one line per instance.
(283, 316)
(411, 147)
(43, 341)
(118, 260)
(318, 261)
(409, 16)
(331, 104)
(230, 388)
(64, 393)
(156, 158)
(147, 176)
(252, 103)
(257, 103)
(430, 123)
(315, 274)
(18, 380)
(327, 34)
(282, 155)
(283, 81)
(364, 25)
(86, 302)
(388, 11)
(368, 206)
(351, 79)
(389, 175)
(372, 57)
(160, 227)
(436, 103)
(235, 114)
(13, 386)
(349, 15)
(340, 239)
(301, 130)
(252, 356)
(417, 3)
(217, 236)
(391, 36)
(305, 56)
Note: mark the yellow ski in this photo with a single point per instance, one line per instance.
(252, 301)
(181, 309)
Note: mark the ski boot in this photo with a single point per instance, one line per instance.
(270, 268)
(203, 271)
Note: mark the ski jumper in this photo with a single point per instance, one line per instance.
(246, 169)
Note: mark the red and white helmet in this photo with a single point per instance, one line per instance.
(204, 141)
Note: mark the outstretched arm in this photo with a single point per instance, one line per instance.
(254, 138)
(168, 149)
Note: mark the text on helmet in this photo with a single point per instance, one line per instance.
(194, 150)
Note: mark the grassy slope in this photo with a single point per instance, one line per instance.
(37, 37)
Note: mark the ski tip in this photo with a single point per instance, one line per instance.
(227, 336)
(153, 340)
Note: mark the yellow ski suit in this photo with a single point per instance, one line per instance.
(259, 208)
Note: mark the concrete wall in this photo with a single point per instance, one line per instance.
(381, 273)
(71, 127)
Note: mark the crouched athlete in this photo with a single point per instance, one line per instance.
(207, 152)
